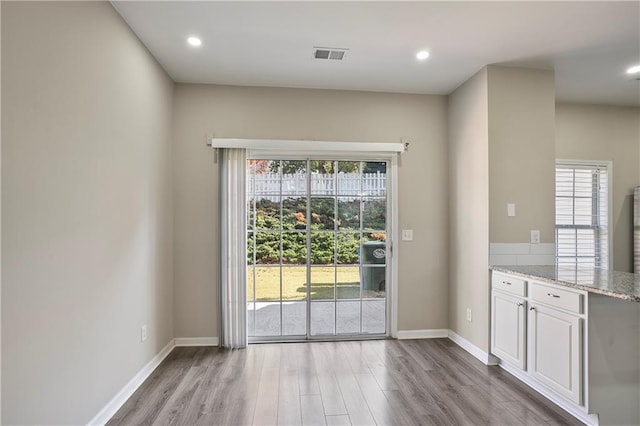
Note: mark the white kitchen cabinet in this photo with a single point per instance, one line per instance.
(508, 328)
(555, 356)
(537, 328)
(581, 349)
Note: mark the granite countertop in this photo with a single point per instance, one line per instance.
(621, 285)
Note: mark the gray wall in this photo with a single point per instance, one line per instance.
(86, 209)
(606, 133)
(521, 154)
(501, 150)
(469, 208)
(247, 112)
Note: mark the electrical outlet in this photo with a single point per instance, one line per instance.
(469, 314)
(143, 333)
(535, 236)
(407, 235)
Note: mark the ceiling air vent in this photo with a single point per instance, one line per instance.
(334, 53)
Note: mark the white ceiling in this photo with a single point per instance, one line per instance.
(589, 44)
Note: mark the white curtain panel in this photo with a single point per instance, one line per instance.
(233, 248)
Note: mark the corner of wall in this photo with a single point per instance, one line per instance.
(87, 233)
(469, 208)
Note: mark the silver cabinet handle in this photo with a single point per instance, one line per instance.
(520, 304)
(506, 282)
(553, 295)
(533, 308)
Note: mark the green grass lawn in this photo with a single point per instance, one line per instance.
(294, 281)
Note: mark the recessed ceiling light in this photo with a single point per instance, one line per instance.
(194, 41)
(634, 70)
(422, 55)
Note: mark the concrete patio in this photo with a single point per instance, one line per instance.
(323, 317)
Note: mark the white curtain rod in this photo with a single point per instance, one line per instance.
(307, 145)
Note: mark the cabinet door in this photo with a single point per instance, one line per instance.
(508, 336)
(556, 350)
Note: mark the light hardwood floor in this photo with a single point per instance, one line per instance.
(384, 382)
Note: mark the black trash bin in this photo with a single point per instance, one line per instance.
(373, 277)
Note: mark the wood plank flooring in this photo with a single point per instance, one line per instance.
(383, 382)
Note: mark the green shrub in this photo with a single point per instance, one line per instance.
(269, 226)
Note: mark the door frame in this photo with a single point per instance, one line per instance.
(392, 231)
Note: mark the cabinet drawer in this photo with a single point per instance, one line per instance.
(554, 296)
(508, 283)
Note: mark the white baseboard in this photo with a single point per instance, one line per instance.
(483, 356)
(125, 393)
(422, 334)
(569, 407)
(196, 341)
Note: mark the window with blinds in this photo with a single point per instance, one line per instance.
(582, 210)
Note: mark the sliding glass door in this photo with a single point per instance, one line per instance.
(317, 249)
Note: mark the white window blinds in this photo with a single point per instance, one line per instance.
(233, 249)
(582, 214)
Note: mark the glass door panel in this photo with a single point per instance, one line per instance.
(322, 299)
(267, 304)
(294, 300)
(317, 258)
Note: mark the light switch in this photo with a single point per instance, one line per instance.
(407, 235)
(511, 209)
(535, 237)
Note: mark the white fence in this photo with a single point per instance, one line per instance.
(268, 185)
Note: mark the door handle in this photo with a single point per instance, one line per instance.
(520, 304)
(533, 308)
